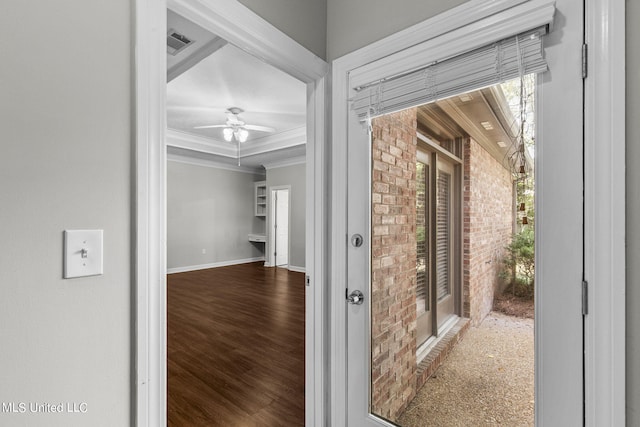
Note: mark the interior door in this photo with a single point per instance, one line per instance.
(559, 238)
(281, 226)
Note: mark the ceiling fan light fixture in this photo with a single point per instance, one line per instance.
(242, 135)
(228, 134)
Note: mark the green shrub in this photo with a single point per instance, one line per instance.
(519, 263)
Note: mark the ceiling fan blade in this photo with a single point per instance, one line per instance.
(259, 128)
(211, 126)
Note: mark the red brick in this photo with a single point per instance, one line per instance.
(487, 224)
(393, 262)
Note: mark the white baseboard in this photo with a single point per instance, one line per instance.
(297, 269)
(288, 267)
(212, 265)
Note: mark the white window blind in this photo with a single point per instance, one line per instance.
(482, 67)
(443, 235)
(423, 301)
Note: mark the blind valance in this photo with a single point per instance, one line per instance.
(482, 67)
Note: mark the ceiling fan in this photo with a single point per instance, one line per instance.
(236, 128)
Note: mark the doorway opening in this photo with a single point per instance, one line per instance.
(452, 201)
(280, 213)
(237, 127)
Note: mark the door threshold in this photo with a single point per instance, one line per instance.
(433, 353)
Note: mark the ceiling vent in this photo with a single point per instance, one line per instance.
(176, 42)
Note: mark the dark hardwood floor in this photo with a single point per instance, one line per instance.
(236, 347)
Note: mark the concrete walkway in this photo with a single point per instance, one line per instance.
(487, 380)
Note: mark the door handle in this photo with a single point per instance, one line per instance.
(356, 298)
(356, 240)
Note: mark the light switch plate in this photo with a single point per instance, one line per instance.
(82, 253)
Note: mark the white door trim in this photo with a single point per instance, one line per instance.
(238, 25)
(150, 226)
(604, 236)
(604, 198)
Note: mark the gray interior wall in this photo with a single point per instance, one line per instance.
(65, 163)
(295, 176)
(305, 21)
(633, 207)
(352, 24)
(210, 210)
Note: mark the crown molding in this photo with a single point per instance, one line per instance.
(286, 162)
(189, 141)
(213, 164)
(279, 141)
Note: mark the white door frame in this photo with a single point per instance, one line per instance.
(605, 265)
(238, 25)
(604, 210)
(271, 238)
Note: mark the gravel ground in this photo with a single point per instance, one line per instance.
(487, 380)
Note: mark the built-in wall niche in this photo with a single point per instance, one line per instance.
(260, 198)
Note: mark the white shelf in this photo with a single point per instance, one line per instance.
(260, 197)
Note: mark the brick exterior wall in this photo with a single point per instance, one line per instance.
(487, 218)
(393, 301)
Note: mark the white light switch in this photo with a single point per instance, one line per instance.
(82, 253)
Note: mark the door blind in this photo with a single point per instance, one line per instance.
(443, 241)
(422, 238)
(482, 67)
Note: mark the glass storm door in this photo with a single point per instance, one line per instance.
(375, 261)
